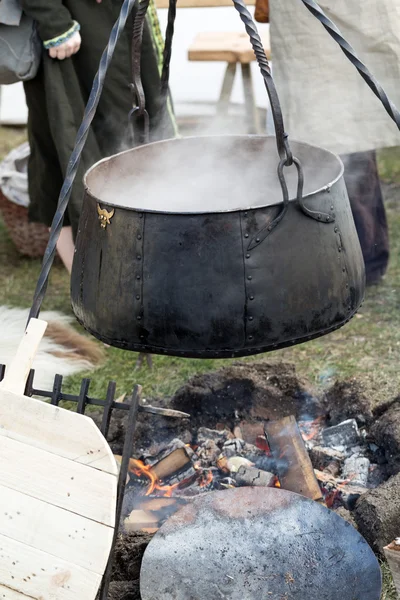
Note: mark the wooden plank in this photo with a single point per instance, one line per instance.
(288, 449)
(17, 372)
(53, 530)
(58, 481)
(226, 46)
(200, 3)
(28, 573)
(55, 430)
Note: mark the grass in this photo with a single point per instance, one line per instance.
(368, 347)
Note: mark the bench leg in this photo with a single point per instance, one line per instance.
(253, 119)
(226, 90)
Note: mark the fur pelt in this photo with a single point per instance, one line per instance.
(62, 351)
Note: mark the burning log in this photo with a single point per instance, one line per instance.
(236, 462)
(286, 443)
(356, 468)
(322, 457)
(338, 492)
(392, 554)
(171, 465)
(254, 477)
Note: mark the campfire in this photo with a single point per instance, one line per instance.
(257, 425)
(335, 465)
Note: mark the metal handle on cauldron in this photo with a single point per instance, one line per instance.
(285, 154)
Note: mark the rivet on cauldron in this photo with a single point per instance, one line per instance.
(247, 255)
(344, 269)
(328, 218)
(250, 337)
(347, 286)
(142, 337)
(139, 318)
(332, 206)
(269, 227)
(246, 235)
(249, 277)
(245, 214)
(138, 277)
(319, 216)
(251, 297)
(339, 249)
(257, 240)
(138, 297)
(251, 318)
(139, 257)
(139, 237)
(141, 215)
(336, 230)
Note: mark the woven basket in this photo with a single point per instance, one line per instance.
(30, 239)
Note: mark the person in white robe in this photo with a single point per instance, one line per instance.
(326, 102)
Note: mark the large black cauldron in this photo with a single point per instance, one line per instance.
(180, 250)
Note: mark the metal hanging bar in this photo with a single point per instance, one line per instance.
(74, 161)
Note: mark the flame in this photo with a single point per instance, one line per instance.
(138, 468)
(277, 483)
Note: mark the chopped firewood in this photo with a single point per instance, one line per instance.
(344, 435)
(139, 519)
(236, 462)
(172, 464)
(356, 468)
(392, 553)
(254, 477)
(287, 446)
(222, 464)
(324, 477)
(321, 457)
(156, 504)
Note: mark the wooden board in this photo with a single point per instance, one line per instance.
(226, 46)
(58, 483)
(287, 447)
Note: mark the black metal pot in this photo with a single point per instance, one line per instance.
(186, 248)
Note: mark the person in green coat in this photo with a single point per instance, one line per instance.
(74, 35)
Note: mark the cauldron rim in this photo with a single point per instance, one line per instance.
(157, 144)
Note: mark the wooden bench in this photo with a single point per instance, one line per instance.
(234, 49)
